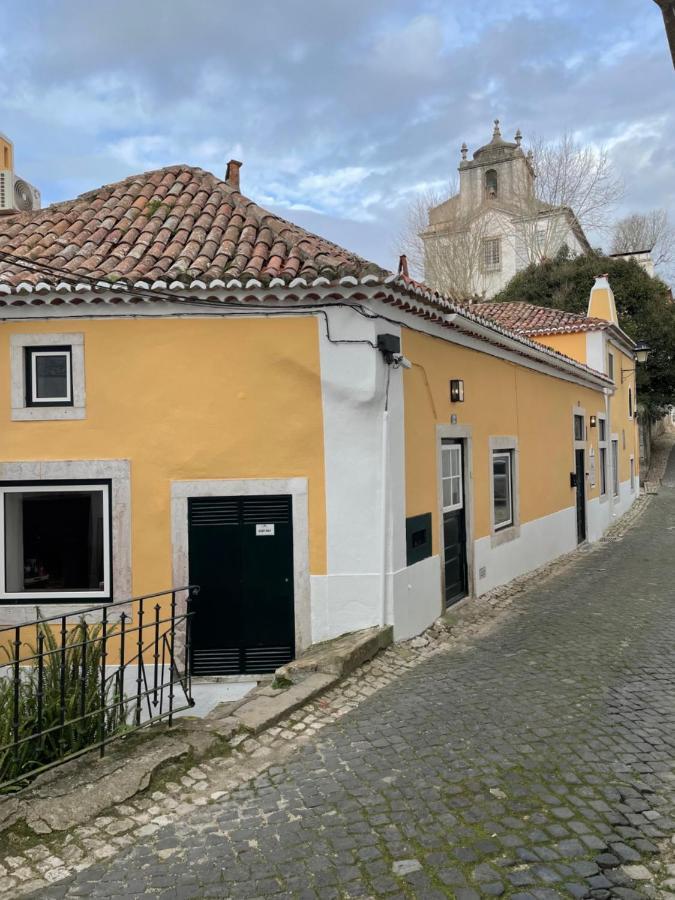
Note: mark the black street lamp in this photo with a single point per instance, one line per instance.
(641, 353)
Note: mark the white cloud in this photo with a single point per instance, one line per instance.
(340, 110)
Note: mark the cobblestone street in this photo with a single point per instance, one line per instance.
(534, 760)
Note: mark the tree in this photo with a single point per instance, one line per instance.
(644, 306)
(667, 7)
(579, 178)
(646, 231)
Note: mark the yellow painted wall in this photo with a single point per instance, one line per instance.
(186, 399)
(572, 345)
(501, 398)
(6, 154)
(621, 424)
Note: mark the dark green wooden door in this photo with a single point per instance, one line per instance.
(241, 556)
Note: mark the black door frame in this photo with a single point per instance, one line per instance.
(462, 436)
(580, 495)
(579, 458)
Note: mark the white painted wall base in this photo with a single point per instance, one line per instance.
(344, 603)
(539, 542)
(602, 514)
(417, 597)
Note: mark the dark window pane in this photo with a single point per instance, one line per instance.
(51, 377)
(54, 541)
(578, 428)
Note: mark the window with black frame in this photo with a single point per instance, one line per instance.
(49, 377)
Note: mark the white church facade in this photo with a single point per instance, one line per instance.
(479, 238)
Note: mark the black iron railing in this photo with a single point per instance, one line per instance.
(69, 684)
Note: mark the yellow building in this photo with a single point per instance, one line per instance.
(196, 391)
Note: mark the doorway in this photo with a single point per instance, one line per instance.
(454, 521)
(581, 495)
(241, 556)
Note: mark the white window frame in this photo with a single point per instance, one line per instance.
(508, 456)
(37, 354)
(453, 450)
(47, 410)
(505, 533)
(46, 488)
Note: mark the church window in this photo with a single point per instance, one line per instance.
(491, 183)
(492, 254)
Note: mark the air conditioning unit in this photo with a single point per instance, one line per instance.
(16, 195)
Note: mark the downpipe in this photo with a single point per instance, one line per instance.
(383, 506)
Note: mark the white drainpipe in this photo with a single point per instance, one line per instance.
(383, 516)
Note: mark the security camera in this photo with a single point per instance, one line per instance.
(401, 361)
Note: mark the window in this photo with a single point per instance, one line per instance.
(502, 487)
(610, 365)
(491, 183)
(578, 428)
(47, 376)
(602, 454)
(492, 254)
(630, 403)
(49, 380)
(615, 467)
(451, 476)
(632, 473)
(55, 541)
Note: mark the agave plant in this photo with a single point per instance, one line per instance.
(64, 705)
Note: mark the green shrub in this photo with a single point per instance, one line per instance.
(82, 696)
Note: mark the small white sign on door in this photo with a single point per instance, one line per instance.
(264, 530)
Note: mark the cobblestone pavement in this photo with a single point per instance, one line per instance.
(533, 759)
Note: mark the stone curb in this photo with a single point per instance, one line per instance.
(314, 672)
(72, 794)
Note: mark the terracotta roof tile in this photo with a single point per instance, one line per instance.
(529, 320)
(174, 221)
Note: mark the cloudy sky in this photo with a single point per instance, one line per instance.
(340, 109)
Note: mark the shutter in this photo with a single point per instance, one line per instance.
(270, 510)
(214, 511)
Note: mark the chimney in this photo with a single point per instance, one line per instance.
(403, 265)
(232, 173)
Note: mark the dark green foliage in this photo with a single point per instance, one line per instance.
(644, 305)
(83, 704)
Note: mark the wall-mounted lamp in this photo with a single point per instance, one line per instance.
(593, 421)
(457, 390)
(642, 351)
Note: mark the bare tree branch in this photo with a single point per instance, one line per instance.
(579, 178)
(650, 231)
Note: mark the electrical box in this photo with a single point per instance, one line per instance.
(418, 538)
(389, 343)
